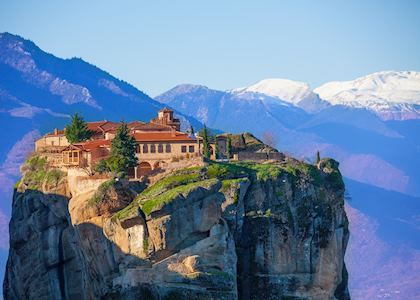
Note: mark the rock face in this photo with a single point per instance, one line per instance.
(224, 231)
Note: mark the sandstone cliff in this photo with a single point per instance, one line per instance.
(222, 231)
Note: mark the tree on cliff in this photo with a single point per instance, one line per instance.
(216, 148)
(318, 157)
(77, 131)
(229, 147)
(123, 151)
(206, 143)
(269, 139)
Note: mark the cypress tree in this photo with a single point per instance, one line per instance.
(229, 147)
(318, 157)
(77, 131)
(216, 148)
(206, 144)
(123, 151)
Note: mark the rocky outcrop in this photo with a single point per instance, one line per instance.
(225, 231)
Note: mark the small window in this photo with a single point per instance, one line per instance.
(75, 154)
(160, 148)
(183, 149)
(191, 149)
(152, 148)
(137, 148)
(52, 143)
(168, 148)
(145, 148)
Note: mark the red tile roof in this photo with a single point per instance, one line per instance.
(90, 145)
(151, 127)
(102, 126)
(174, 136)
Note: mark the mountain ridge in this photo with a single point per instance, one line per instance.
(392, 95)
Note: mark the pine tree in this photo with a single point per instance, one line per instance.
(206, 145)
(77, 131)
(318, 157)
(229, 147)
(123, 151)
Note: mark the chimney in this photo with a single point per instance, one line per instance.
(55, 131)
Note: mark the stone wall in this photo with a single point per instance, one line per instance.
(259, 156)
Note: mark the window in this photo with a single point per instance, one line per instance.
(168, 148)
(137, 148)
(152, 148)
(73, 156)
(52, 143)
(183, 149)
(190, 149)
(145, 148)
(160, 148)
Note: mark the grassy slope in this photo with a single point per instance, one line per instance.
(184, 181)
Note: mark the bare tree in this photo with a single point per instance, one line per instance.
(269, 139)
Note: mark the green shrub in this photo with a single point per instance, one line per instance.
(102, 191)
(53, 176)
(102, 167)
(36, 163)
(229, 184)
(334, 178)
(151, 203)
(217, 171)
(37, 173)
(179, 178)
(17, 183)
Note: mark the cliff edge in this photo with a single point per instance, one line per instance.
(218, 231)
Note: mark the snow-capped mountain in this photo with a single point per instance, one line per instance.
(391, 95)
(295, 92)
(285, 89)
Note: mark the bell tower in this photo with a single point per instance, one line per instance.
(166, 117)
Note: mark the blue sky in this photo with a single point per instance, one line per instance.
(223, 44)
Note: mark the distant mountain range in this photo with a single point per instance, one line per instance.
(391, 95)
(370, 125)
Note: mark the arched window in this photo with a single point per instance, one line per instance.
(145, 148)
(152, 148)
(160, 148)
(168, 148)
(143, 169)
